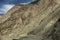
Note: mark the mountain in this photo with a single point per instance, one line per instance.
(6, 5)
(35, 20)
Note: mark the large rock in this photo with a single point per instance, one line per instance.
(36, 19)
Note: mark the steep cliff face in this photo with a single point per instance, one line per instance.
(36, 19)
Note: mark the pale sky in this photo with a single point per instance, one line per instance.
(5, 5)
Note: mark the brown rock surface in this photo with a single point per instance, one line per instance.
(35, 19)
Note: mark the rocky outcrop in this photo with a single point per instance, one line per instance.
(35, 20)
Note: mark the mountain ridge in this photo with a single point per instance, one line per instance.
(30, 20)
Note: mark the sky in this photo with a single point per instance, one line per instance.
(5, 5)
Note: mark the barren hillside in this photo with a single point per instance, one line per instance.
(35, 21)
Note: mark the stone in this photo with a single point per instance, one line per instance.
(36, 19)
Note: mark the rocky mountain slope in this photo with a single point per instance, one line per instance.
(34, 21)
